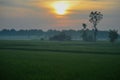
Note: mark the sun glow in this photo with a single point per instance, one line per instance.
(61, 7)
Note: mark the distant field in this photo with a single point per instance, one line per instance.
(47, 60)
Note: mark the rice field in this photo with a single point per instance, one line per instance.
(54, 60)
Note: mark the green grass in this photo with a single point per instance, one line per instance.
(74, 60)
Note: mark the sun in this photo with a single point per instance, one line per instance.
(61, 7)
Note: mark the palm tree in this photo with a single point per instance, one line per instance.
(84, 32)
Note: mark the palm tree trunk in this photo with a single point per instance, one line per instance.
(95, 32)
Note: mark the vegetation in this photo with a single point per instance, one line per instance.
(61, 37)
(113, 35)
(67, 60)
(13, 34)
(60, 58)
(95, 18)
(84, 33)
(87, 35)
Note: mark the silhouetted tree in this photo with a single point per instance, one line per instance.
(84, 32)
(113, 35)
(95, 18)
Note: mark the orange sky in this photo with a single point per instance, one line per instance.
(42, 14)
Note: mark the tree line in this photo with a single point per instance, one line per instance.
(52, 34)
(84, 34)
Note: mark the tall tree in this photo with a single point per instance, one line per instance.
(95, 18)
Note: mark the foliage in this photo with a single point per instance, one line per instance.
(87, 35)
(84, 32)
(60, 37)
(40, 34)
(113, 35)
(95, 18)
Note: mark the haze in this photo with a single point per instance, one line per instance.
(40, 14)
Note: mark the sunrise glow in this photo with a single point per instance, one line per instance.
(61, 7)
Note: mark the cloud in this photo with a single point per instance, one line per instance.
(27, 14)
(18, 4)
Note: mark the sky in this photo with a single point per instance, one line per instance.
(57, 14)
